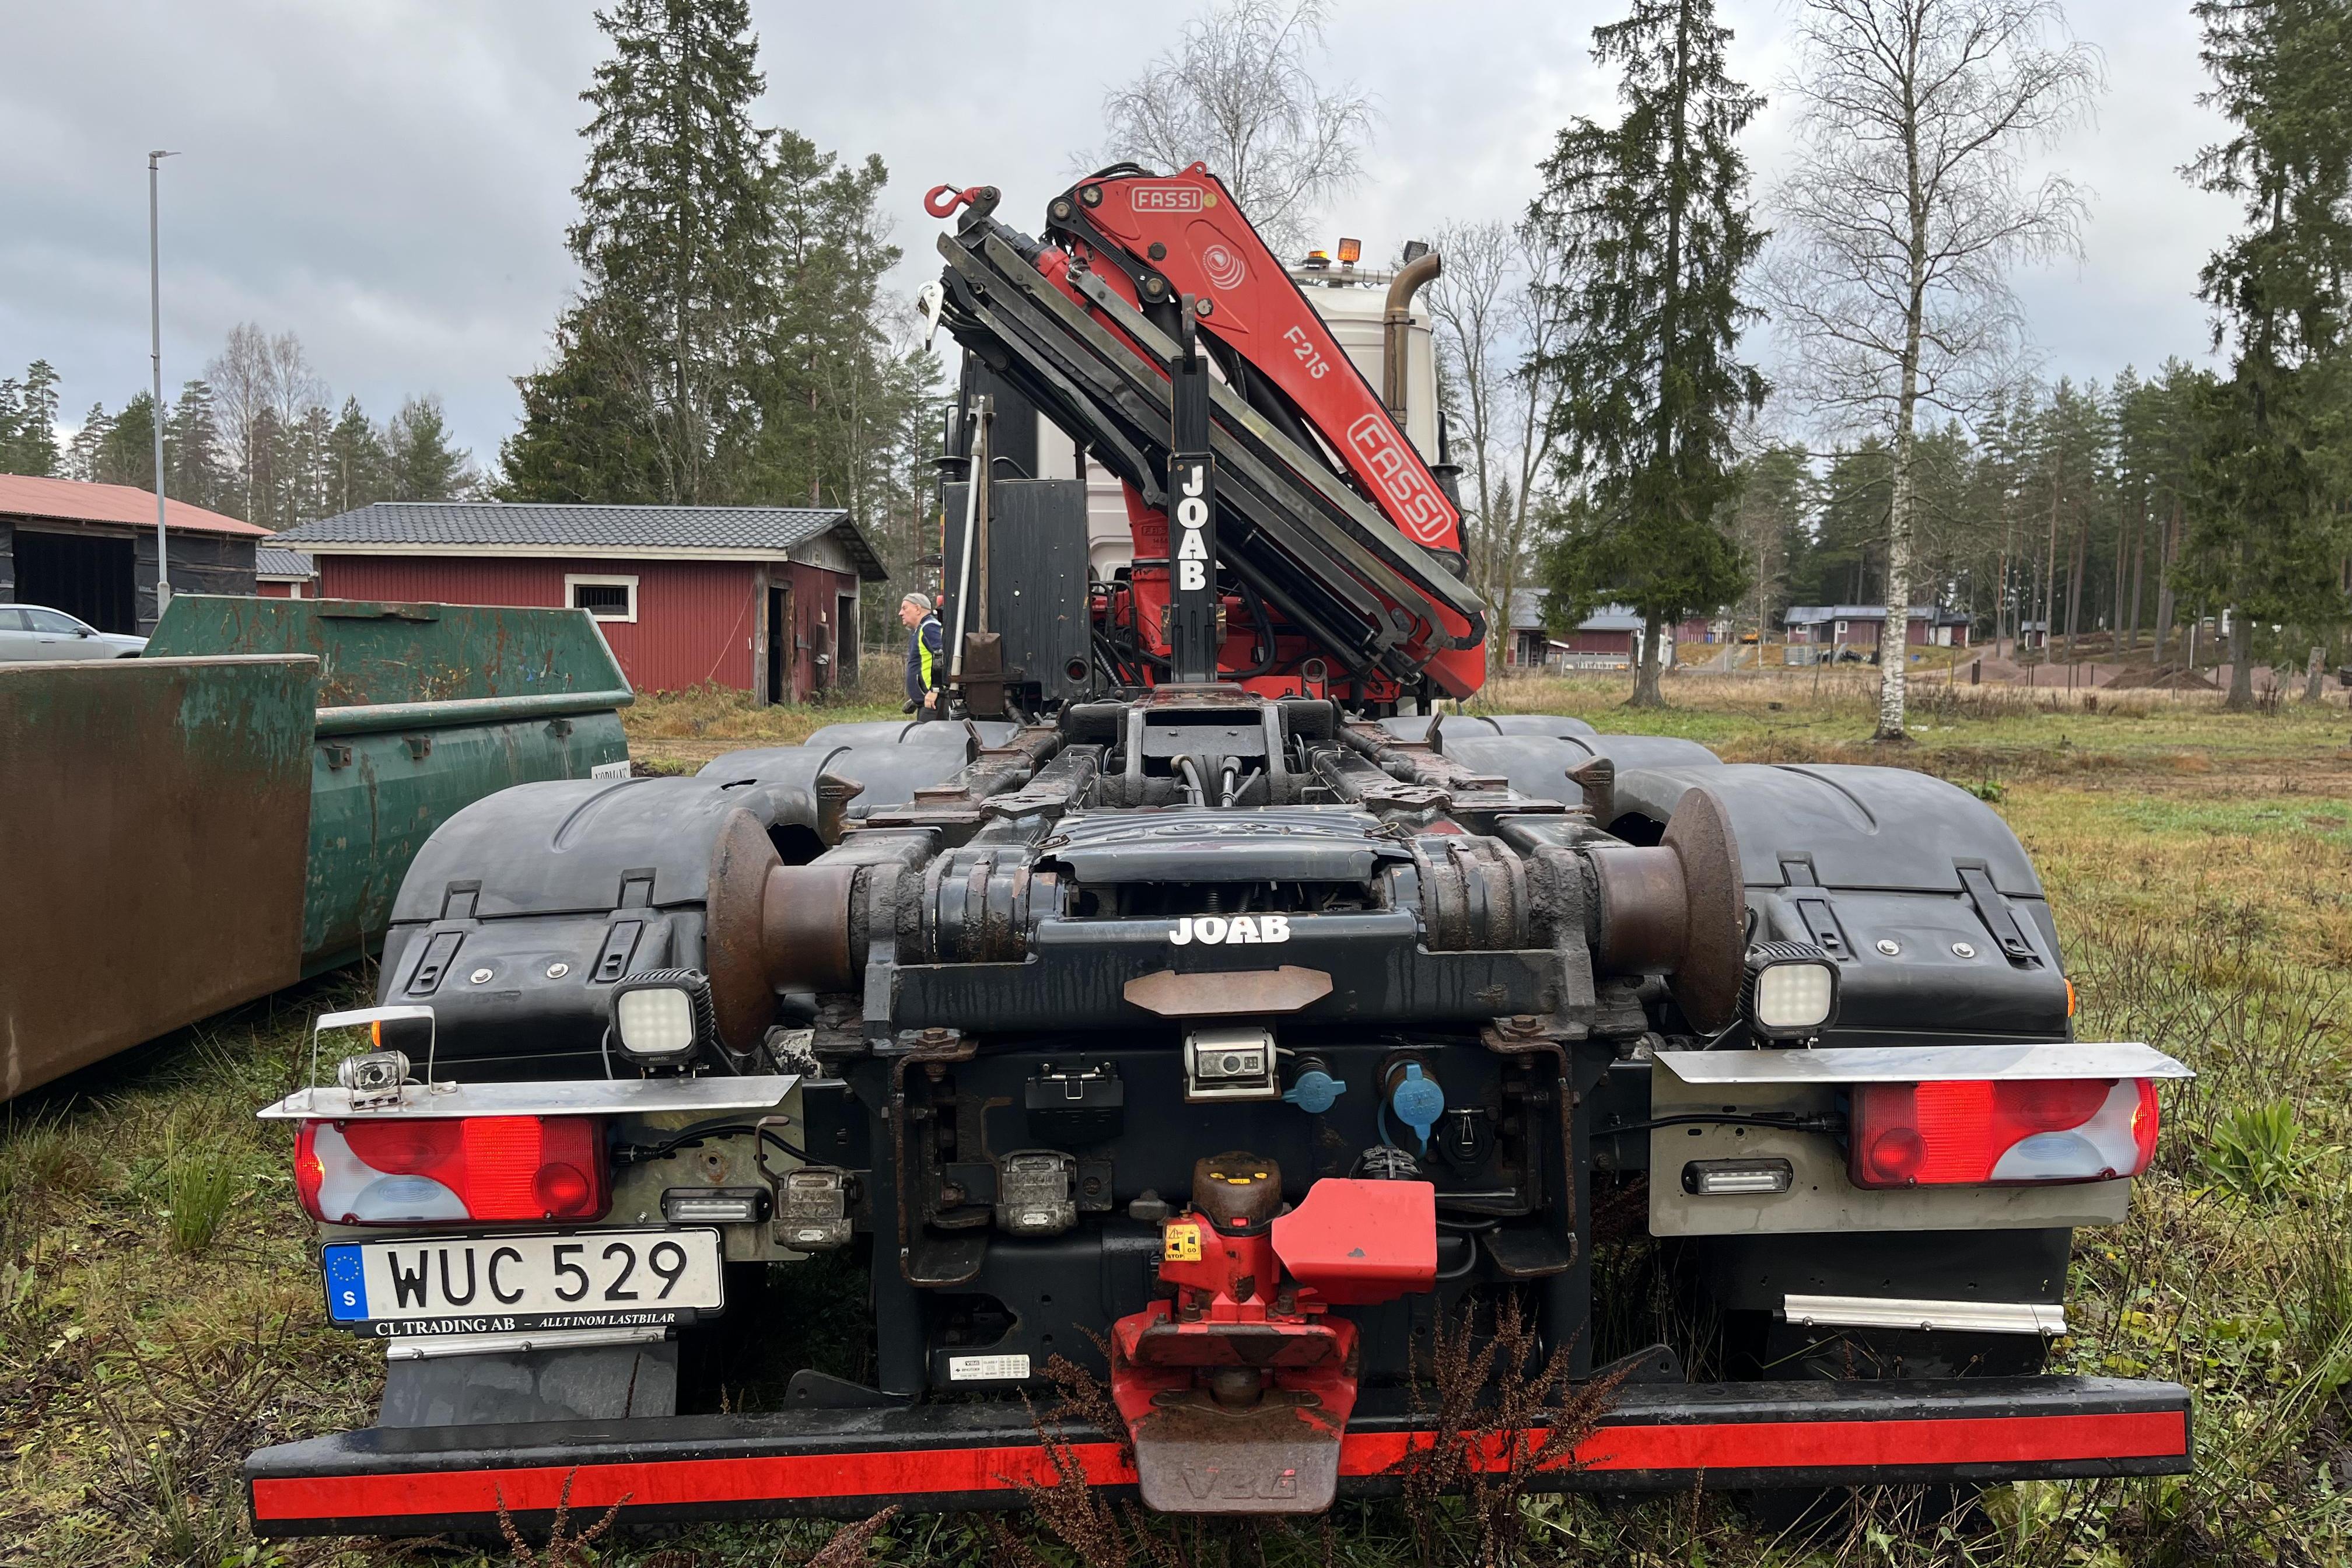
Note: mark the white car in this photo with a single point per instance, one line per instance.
(32, 631)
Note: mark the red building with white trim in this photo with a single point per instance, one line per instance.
(761, 599)
(284, 574)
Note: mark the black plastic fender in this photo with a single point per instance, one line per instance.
(1918, 888)
(521, 911)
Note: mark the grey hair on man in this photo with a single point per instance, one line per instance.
(920, 601)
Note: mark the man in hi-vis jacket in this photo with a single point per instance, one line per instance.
(926, 663)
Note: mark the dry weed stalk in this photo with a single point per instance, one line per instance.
(562, 1553)
(1102, 1533)
(1493, 1401)
(847, 1549)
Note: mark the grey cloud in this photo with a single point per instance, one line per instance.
(390, 179)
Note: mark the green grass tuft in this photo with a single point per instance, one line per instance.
(199, 1187)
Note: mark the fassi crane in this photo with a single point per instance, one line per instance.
(1327, 560)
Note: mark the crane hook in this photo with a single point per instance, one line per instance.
(942, 201)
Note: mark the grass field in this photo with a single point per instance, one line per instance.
(160, 1307)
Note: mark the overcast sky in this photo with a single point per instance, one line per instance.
(390, 179)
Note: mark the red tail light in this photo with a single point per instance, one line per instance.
(405, 1171)
(2008, 1130)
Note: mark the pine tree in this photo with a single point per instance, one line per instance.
(827, 357)
(193, 470)
(312, 467)
(29, 421)
(2267, 540)
(1767, 525)
(1655, 209)
(356, 460)
(80, 460)
(127, 456)
(675, 243)
(419, 462)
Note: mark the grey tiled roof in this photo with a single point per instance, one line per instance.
(722, 530)
(269, 560)
(1528, 615)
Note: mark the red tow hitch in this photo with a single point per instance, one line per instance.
(1238, 1391)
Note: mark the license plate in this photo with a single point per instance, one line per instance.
(499, 1284)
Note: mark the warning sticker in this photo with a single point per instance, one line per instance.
(987, 1368)
(1183, 1244)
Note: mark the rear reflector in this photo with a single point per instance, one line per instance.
(406, 1172)
(2006, 1130)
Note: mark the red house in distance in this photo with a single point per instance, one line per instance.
(761, 599)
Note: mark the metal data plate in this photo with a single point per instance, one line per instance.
(1923, 1064)
(578, 1096)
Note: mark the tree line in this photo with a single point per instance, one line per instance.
(1603, 355)
(2066, 508)
(257, 437)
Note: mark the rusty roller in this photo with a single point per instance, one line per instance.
(770, 927)
(1677, 910)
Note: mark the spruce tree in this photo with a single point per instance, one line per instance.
(357, 464)
(2266, 539)
(29, 421)
(193, 467)
(1654, 210)
(80, 458)
(420, 463)
(649, 398)
(127, 455)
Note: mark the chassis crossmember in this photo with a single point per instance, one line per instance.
(1654, 1437)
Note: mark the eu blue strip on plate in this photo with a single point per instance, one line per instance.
(346, 1284)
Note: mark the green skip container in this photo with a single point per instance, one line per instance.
(422, 710)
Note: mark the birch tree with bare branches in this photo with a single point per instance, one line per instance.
(1909, 204)
(1240, 95)
(1494, 313)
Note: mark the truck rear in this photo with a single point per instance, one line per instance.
(1191, 1030)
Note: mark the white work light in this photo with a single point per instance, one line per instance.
(1791, 990)
(660, 1019)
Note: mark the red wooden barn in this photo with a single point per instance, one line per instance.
(762, 599)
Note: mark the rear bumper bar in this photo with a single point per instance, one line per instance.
(1658, 1437)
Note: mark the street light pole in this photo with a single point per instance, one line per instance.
(155, 343)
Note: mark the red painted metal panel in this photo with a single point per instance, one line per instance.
(696, 620)
(816, 626)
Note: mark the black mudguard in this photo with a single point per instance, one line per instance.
(1918, 889)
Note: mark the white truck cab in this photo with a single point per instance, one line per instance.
(1352, 301)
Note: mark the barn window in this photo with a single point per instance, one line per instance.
(605, 598)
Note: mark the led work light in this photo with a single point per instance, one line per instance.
(1790, 992)
(660, 1019)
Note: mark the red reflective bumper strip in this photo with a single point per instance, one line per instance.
(1810, 1445)
(652, 1483)
(914, 1472)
